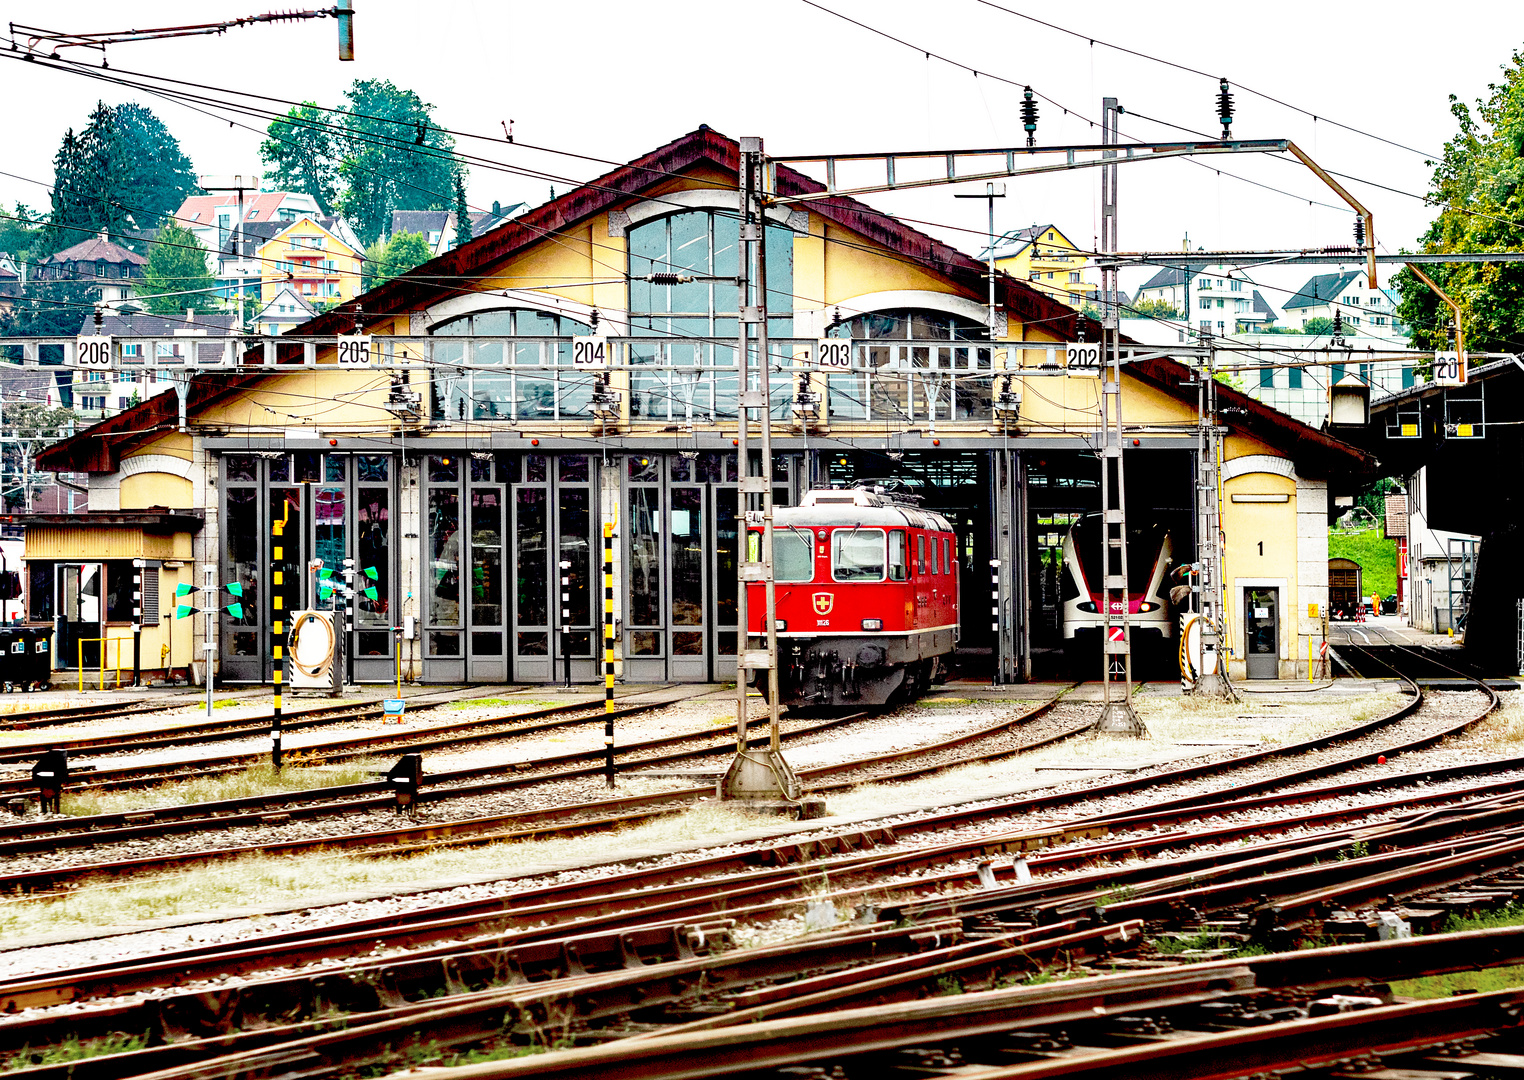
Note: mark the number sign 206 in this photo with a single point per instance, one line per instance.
(92, 352)
(1083, 358)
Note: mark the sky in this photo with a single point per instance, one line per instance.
(608, 81)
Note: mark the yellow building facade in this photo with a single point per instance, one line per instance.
(477, 462)
(1048, 260)
(313, 261)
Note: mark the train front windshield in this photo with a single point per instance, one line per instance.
(1143, 546)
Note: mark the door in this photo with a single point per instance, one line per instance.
(1262, 633)
(80, 587)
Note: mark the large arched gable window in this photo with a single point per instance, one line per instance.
(696, 320)
(919, 379)
(495, 380)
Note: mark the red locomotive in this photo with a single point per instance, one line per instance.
(867, 599)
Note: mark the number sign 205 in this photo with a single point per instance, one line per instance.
(354, 350)
(1083, 358)
(92, 352)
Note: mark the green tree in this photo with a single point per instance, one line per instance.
(301, 153)
(27, 427)
(380, 152)
(123, 175)
(462, 211)
(1478, 184)
(389, 259)
(176, 264)
(20, 231)
(50, 308)
(1154, 309)
(1318, 325)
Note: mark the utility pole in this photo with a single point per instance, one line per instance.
(1211, 674)
(238, 183)
(755, 775)
(1117, 714)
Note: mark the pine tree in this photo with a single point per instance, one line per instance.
(176, 264)
(462, 211)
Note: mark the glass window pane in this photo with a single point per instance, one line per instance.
(575, 524)
(793, 555)
(333, 468)
(328, 538)
(898, 570)
(507, 468)
(374, 468)
(481, 470)
(687, 556)
(280, 469)
(536, 644)
(534, 468)
(241, 467)
(493, 323)
(486, 558)
(447, 644)
(857, 554)
(444, 558)
(373, 552)
(642, 468)
(532, 583)
(572, 468)
(645, 557)
(40, 590)
(243, 552)
(443, 469)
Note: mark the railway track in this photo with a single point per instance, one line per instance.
(604, 955)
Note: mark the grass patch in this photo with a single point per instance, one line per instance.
(293, 881)
(71, 1049)
(946, 702)
(1207, 941)
(259, 779)
(500, 703)
(1502, 732)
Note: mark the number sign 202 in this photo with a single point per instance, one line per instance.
(1083, 358)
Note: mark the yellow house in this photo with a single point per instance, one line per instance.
(1046, 259)
(319, 266)
(471, 469)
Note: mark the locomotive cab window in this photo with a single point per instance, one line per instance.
(793, 556)
(920, 555)
(898, 571)
(857, 555)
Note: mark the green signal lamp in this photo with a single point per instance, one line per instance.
(235, 610)
(182, 610)
(372, 593)
(235, 588)
(325, 592)
(325, 573)
(370, 572)
(185, 590)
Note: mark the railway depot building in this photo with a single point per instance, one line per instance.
(470, 470)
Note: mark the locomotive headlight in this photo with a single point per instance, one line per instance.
(1148, 606)
(780, 624)
(873, 624)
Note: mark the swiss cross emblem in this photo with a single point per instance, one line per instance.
(823, 602)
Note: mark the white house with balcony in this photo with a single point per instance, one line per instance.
(1365, 312)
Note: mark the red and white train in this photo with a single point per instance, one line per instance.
(867, 599)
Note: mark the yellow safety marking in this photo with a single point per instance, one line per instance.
(278, 554)
(279, 627)
(608, 605)
(278, 576)
(277, 675)
(278, 653)
(608, 681)
(277, 602)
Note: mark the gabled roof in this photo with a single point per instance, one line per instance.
(1169, 276)
(418, 221)
(1262, 306)
(285, 295)
(326, 224)
(216, 324)
(1321, 289)
(424, 285)
(199, 211)
(95, 249)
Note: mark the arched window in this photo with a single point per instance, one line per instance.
(526, 387)
(697, 319)
(915, 380)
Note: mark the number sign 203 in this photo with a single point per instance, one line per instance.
(1083, 358)
(834, 353)
(354, 350)
(92, 352)
(590, 352)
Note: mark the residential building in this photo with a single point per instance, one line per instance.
(1043, 256)
(212, 218)
(1213, 298)
(10, 282)
(239, 260)
(106, 263)
(318, 263)
(99, 394)
(1366, 313)
(437, 227)
(285, 310)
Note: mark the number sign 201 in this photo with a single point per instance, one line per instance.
(1083, 358)
(354, 350)
(92, 352)
(834, 353)
(590, 352)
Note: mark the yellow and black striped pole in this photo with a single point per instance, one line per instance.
(608, 653)
(277, 627)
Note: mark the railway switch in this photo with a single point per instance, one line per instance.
(51, 773)
(404, 778)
